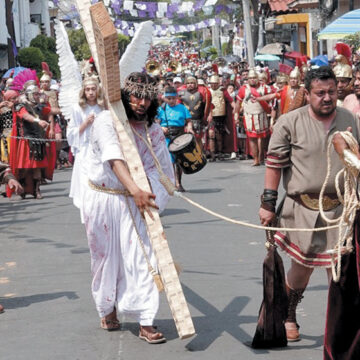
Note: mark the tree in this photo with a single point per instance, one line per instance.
(31, 57)
(79, 45)
(123, 42)
(353, 41)
(47, 45)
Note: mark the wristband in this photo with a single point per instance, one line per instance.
(268, 200)
(36, 120)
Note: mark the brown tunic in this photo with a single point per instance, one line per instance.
(299, 146)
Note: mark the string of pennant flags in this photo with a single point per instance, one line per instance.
(157, 10)
(141, 9)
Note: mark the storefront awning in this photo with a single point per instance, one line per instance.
(346, 24)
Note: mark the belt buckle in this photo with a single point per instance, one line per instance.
(313, 204)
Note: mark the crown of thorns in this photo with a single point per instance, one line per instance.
(140, 89)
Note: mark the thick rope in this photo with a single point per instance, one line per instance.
(350, 203)
(171, 189)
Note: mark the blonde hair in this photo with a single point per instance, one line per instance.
(99, 96)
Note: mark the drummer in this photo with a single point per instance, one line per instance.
(175, 119)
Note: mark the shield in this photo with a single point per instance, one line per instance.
(270, 331)
(275, 49)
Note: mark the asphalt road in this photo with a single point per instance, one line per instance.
(45, 278)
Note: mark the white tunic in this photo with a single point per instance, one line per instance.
(120, 272)
(79, 146)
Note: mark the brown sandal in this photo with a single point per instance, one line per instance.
(151, 335)
(110, 325)
(110, 322)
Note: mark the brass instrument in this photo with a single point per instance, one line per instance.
(152, 67)
(175, 66)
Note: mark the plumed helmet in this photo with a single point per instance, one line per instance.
(342, 70)
(214, 79)
(295, 73)
(30, 88)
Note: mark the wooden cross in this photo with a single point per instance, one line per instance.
(102, 38)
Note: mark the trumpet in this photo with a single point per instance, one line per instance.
(152, 67)
(175, 66)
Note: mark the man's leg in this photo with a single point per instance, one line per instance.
(211, 133)
(254, 150)
(260, 144)
(297, 279)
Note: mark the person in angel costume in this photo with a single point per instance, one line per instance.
(90, 104)
(114, 207)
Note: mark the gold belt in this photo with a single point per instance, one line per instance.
(311, 201)
(108, 190)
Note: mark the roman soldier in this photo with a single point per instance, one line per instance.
(343, 72)
(217, 117)
(255, 114)
(32, 157)
(197, 103)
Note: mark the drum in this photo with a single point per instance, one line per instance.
(188, 153)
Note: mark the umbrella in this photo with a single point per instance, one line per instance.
(17, 70)
(232, 58)
(267, 57)
(320, 60)
(294, 55)
(344, 25)
(275, 49)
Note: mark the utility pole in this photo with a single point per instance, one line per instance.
(248, 34)
(10, 27)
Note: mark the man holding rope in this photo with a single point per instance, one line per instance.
(298, 151)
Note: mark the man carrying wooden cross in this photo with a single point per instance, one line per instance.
(122, 260)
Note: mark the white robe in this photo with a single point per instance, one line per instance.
(120, 273)
(79, 146)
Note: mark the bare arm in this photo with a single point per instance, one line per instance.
(272, 181)
(267, 97)
(143, 200)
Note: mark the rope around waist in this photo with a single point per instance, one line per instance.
(107, 190)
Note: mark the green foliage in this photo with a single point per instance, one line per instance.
(47, 45)
(210, 53)
(31, 57)
(123, 42)
(206, 43)
(353, 40)
(79, 45)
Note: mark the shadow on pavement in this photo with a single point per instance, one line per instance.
(24, 301)
(204, 191)
(168, 212)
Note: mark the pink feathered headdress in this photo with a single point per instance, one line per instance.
(22, 78)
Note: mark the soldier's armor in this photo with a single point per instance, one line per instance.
(195, 104)
(6, 119)
(52, 95)
(218, 100)
(254, 114)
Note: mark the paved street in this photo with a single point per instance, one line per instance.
(45, 278)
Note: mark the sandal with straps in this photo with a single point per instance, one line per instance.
(110, 322)
(151, 335)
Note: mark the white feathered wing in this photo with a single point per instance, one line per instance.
(136, 53)
(70, 72)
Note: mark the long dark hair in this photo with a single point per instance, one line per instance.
(131, 89)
